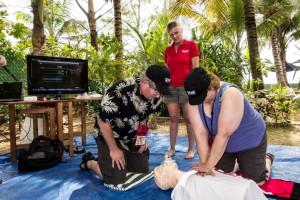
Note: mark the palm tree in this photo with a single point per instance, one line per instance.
(117, 25)
(281, 25)
(38, 35)
(57, 20)
(92, 22)
(250, 25)
(118, 35)
(228, 31)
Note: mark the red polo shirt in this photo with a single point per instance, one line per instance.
(180, 62)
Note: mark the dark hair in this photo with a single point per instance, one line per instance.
(171, 25)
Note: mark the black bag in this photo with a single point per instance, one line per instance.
(43, 153)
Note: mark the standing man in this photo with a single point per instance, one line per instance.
(125, 112)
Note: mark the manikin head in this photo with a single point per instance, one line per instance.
(167, 175)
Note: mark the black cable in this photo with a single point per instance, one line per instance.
(27, 132)
(2, 134)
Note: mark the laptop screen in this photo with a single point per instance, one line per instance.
(11, 91)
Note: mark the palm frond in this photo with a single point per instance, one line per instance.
(140, 39)
(274, 20)
(184, 8)
(236, 15)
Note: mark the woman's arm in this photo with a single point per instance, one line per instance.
(201, 135)
(195, 61)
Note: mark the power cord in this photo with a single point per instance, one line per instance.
(27, 132)
(3, 135)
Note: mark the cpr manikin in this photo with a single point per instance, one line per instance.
(189, 185)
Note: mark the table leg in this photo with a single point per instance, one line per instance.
(59, 118)
(52, 123)
(83, 123)
(35, 125)
(12, 132)
(70, 126)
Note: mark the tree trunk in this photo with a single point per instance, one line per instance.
(92, 24)
(38, 35)
(282, 46)
(238, 58)
(277, 60)
(118, 34)
(250, 26)
(283, 61)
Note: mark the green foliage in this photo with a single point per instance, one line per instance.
(221, 61)
(251, 86)
(4, 43)
(151, 44)
(102, 66)
(276, 107)
(19, 31)
(3, 15)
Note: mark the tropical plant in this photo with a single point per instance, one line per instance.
(59, 25)
(151, 44)
(102, 66)
(283, 105)
(221, 61)
(3, 27)
(250, 26)
(281, 25)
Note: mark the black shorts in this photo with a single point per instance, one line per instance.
(252, 162)
(135, 162)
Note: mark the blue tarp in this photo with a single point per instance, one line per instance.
(67, 181)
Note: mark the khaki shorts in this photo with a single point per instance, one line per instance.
(178, 95)
(135, 162)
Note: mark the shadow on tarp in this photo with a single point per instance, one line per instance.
(67, 181)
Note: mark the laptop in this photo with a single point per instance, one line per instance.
(11, 91)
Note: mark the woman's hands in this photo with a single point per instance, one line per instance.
(203, 169)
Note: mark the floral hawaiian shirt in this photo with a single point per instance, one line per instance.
(124, 108)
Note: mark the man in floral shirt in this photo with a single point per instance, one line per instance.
(126, 109)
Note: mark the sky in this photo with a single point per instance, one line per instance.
(293, 54)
